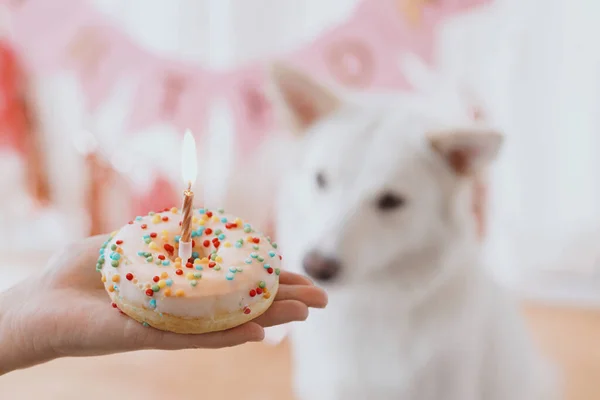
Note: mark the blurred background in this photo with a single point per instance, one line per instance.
(95, 97)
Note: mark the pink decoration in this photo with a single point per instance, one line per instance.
(110, 57)
(160, 96)
(160, 196)
(43, 33)
(252, 110)
(360, 53)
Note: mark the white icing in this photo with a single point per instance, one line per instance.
(213, 293)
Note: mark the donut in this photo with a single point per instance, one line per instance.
(231, 278)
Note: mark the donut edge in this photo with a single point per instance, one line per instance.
(183, 325)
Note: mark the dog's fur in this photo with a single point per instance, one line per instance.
(413, 314)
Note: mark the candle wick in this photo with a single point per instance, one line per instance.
(189, 186)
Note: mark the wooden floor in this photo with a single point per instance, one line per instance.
(262, 372)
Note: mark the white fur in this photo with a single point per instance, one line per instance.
(414, 314)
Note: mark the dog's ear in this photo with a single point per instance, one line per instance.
(467, 151)
(300, 100)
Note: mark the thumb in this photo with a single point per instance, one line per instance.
(248, 332)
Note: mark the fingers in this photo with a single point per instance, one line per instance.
(290, 278)
(156, 339)
(312, 296)
(282, 312)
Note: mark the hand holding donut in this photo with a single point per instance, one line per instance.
(64, 311)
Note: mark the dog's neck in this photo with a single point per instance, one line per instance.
(448, 260)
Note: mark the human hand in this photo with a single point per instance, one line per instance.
(64, 311)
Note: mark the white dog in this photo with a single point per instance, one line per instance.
(376, 207)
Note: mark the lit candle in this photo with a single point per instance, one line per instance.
(189, 170)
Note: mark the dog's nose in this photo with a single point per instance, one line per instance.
(320, 267)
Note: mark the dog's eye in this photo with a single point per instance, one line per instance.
(390, 201)
(321, 181)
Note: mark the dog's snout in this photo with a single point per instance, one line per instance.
(320, 267)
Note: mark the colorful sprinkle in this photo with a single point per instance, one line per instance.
(252, 293)
(179, 293)
(149, 292)
(229, 276)
(152, 303)
(155, 288)
(272, 254)
(193, 283)
(169, 282)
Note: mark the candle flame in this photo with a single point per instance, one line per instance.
(189, 166)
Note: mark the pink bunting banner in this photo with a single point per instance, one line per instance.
(360, 53)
